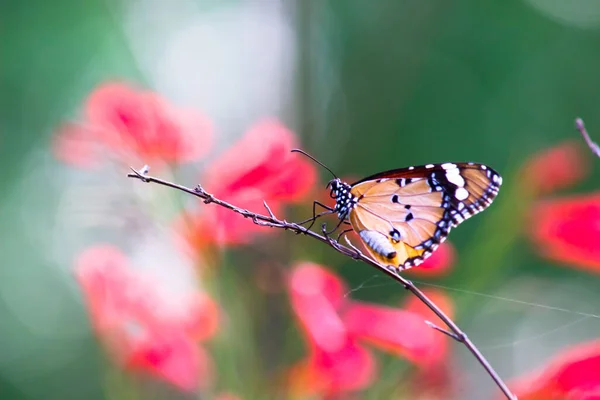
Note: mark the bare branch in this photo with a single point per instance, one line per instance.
(353, 252)
(591, 144)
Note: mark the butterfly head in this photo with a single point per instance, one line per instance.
(340, 191)
(344, 200)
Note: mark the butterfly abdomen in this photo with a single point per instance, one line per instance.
(379, 243)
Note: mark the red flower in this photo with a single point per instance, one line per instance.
(556, 168)
(134, 126)
(140, 329)
(335, 327)
(259, 167)
(574, 374)
(435, 377)
(262, 160)
(568, 230)
(74, 145)
(439, 348)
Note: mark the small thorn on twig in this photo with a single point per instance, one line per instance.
(324, 231)
(141, 173)
(208, 198)
(199, 189)
(269, 210)
(580, 126)
(444, 331)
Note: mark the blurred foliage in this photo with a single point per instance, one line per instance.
(378, 86)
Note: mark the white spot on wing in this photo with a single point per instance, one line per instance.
(428, 166)
(461, 194)
(454, 177)
(448, 166)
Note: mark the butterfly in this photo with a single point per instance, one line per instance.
(402, 215)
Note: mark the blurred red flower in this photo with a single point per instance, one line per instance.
(139, 327)
(435, 377)
(135, 127)
(262, 160)
(259, 167)
(556, 168)
(573, 374)
(335, 326)
(568, 230)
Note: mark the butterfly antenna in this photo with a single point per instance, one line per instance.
(315, 160)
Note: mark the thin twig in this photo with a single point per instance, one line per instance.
(444, 331)
(591, 144)
(271, 221)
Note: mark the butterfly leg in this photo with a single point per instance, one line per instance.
(336, 227)
(329, 239)
(353, 252)
(336, 244)
(342, 234)
(313, 219)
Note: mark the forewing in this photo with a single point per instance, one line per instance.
(403, 215)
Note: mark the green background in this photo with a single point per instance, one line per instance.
(376, 85)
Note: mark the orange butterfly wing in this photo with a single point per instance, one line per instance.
(403, 215)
